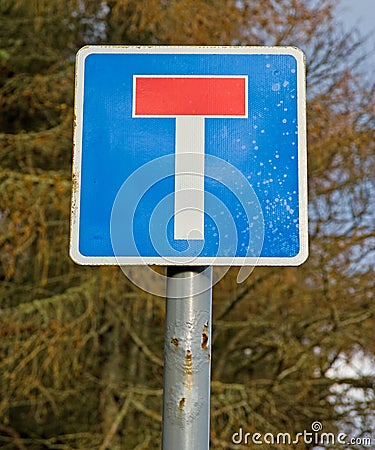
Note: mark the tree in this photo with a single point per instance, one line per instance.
(81, 347)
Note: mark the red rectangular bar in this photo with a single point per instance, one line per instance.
(190, 96)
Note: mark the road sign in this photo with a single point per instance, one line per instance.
(190, 155)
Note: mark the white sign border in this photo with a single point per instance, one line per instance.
(201, 261)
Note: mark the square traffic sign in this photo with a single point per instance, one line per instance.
(190, 155)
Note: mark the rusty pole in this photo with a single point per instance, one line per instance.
(187, 359)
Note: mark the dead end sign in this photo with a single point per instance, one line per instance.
(190, 155)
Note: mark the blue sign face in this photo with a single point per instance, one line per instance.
(162, 179)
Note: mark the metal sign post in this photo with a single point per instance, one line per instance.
(187, 358)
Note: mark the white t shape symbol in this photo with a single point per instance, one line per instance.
(190, 99)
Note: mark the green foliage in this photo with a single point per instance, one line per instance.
(81, 347)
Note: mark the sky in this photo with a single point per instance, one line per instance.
(360, 14)
(359, 11)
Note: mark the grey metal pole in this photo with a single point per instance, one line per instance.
(187, 359)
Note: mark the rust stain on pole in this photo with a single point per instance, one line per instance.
(188, 367)
(205, 336)
(174, 341)
(188, 370)
(182, 403)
